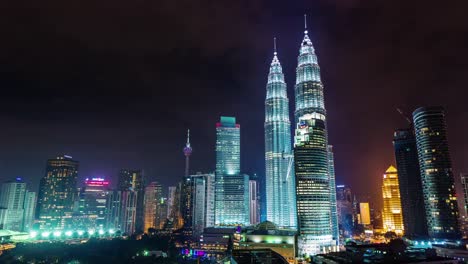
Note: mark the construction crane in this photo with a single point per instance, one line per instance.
(404, 116)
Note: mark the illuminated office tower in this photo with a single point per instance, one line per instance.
(121, 211)
(280, 196)
(313, 188)
(345, 210)
(12, 194)
(364, 214)
(56, 193)
(436, 173)
(202, 202)
(334, 214)
(409, 178)
(392, 213)
(161, 213)
(464, 181)
(311, 157)
(133, 180)
(172, 190)
(30, 201)
(94, 195)
(253, 203)
(153, 195)
(231, 197)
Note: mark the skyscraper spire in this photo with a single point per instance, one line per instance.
(280, 198)
(274, 46)
(187, 153)
(305, 24)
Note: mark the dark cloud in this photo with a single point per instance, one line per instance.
(117, 83)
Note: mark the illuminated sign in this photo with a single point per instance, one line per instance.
(96, 182)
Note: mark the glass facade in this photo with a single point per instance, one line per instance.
(279, 175)
(313, 188)
(392, 214)
(94, 196)
(133, 180)
(409, 177)
(153, 195)
(315, 178)
(231, 197)
(436, 173)
(12, 205)
(309, 87)
(334, 214)
(57, 190)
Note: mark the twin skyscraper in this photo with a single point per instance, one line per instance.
(300, 180)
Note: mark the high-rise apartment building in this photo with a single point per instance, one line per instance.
(392, 213)
(153, 195)
(409, 178)
(133, 180)
(280, 196)
(438, 183)
(312, 160)
(57, 193)
(12, 196)
(231, 197)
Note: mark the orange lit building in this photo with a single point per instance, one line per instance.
(392, 213)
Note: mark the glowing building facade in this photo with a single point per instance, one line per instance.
(231, 196)
(94, 196)
(436, 173)
(280, 196)
(57, 190)
(392, 214)
(315, 198)
(153, 195)
(313, 188)
(133, 180)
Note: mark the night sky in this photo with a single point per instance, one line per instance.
(117, 83)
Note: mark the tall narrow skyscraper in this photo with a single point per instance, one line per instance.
(409, 177)
(133, 180)
(231, 195)
(392, 213)
(153, 195)
(436, 173)
(56, 193)
(334, 214)
(311, 157)
(280, 196)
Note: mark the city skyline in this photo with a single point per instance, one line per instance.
(99, 157)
